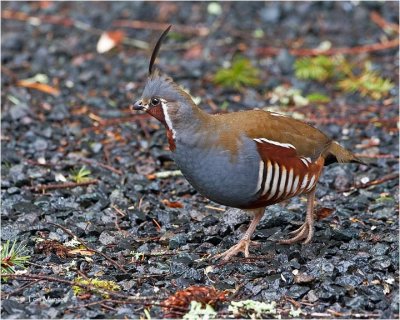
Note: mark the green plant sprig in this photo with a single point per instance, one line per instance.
(323, 68)
(240, 74)
(13, 256)
(80, 175)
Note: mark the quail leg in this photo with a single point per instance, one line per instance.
(245, 242)
(306, 231)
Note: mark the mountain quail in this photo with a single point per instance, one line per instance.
(248, 160)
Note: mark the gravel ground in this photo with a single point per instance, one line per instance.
(155, 236)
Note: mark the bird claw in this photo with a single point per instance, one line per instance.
(242, 246)
(305, 232)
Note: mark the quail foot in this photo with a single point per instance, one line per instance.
(248, 160)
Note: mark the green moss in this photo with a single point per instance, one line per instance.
(98, 284)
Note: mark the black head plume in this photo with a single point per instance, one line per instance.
(157, 48)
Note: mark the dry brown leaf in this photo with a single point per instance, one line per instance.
(82, 252)
(109, 40)
(181, 299)
(194, 52)
(52, 246)
(38, 86)
(172, 204)
(303, 278)
(323, 213)
(85, 296)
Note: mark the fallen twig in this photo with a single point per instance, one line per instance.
(137, 301)
(351, 119)
(65, 22)
(66, 185)
(215, 208)
(115, 264)
(292, 301)
(272, 51)
(376, 156)
(378, 19)
(388, 177)
(22, 288)
(137, 24)
(97, 163)
(114, 121)
(164, 174)
(116, 222)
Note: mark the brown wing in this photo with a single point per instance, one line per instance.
(307, 140)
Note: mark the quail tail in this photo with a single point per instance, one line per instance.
(336, 153)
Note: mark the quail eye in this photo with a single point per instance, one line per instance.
(155, 101)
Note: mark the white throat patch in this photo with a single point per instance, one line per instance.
(168, 121)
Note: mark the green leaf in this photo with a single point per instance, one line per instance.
(224, 106)
(318, 97)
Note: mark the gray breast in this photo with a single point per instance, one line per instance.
(227, 180)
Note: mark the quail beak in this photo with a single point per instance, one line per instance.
(138, 106)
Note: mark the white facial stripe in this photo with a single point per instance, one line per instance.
(285, 145)
(269, 177)
(289, 181)
(311, 184)
(168, 121)
(274, 181)
(145, 107)
(295, 184)
(260, 175)
(304, 183)
(283, 181)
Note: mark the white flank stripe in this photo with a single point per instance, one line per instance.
(304, 183)
(277, 114)
(311, 184)
(285, 145)
(168, 121)
(260, 175)
(269, 177)
(295, 185)
(274, 181)
(283, 181)
(289, 181)
(304, 161)
(308, 159)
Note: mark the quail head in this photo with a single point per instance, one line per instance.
(247, 160)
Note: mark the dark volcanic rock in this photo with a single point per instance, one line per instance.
(138, 210)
